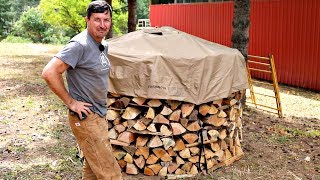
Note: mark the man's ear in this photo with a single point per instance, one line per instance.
(86, 19)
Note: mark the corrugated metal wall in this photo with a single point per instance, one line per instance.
(288, 29)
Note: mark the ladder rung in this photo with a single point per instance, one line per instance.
(253, 69)
(260, 82)
(254, 62)
(259, 57)
(265, 95)
(264, 106)
(269, 111)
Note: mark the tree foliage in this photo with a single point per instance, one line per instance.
(143, 9)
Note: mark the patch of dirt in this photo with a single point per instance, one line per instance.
(36, 141)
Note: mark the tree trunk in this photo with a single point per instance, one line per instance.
(132, 6)
(240, 23)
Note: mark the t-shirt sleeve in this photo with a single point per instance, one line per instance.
(71, 54)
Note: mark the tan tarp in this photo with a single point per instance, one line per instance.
(164, 63)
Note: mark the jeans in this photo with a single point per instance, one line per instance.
(92, 136)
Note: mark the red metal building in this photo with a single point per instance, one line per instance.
(288, 29)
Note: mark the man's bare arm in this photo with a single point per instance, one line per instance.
(52, 73)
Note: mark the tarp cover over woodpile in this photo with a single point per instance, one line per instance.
(165, 63)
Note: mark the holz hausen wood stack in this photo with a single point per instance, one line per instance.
(161, 137)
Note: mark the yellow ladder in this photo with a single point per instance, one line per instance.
(268, 63)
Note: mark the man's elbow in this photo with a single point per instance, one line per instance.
(45, 74)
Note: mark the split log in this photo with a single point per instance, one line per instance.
(166, 111)
(155, 168)
(194, 115)
(194, 150)
(117, 121)
(113, 134)
(174, 104)
(112, 114)
(141, 141)
(223, 134)
(190, 137)
(175, 115)
(119, 154)
(213, 110)
(184, 122)
(139, 100)
(125, 101)
(172, 167)
(223, 144)
(218, 102)
(186, 109)
(162, 154)
(150, 114)
(195, 159)
(144, 151)
(177, 128)
(187, 166)
(171, 152)
(179, 172)
(168, 142)
(130, 149)
(163, 172)
(208, 153)
(147, 171)
(185, 153)
(154, 103)
(165, 130)
(122, 163)
(193, 170)
(120, 128)
(160, 119)
(131, 169)
(179, 145)
(215, 120)
(119, 143)
(127, 137)
(152, 159)
(110, 101)
(179, 160)
(140, 162)
(140, 126)
(215, 146)
(222, 114)
(194, 126)
(229, 102)
(204, 109)
(154, 142)
(214, 134)
(152, 127)
(128, 158)
(131, 113)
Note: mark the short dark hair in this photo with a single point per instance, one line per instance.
(98, 7)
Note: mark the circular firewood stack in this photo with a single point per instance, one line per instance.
(161, 137)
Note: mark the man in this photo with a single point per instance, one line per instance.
(87, 66)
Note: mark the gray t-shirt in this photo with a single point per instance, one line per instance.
(87, 76)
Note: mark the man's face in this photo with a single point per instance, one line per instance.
(99, 25)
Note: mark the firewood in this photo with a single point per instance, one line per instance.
(205, 135)
(160, 119)
(174, 104)
(179, 145)
(184, 122)
(218, 102)
(125, 101)
(222, 114)
(204, 109)
(145, 121)
(144, 151)
(131, 169)
(194, 115)
(179, 160)
(162, 154)
(190, 137)
(197, 143)
(211, 162)
(117, 121)
(128, 158)
(194, 150)
(130, 113)
(171, 152)
(193, 170)
(237, 140)
(215, 146)
(168, 142)
(186, 109)
(239, 150)
(223, 134)
(179, 172)
(165, 131)
(154, 103)
(141, 141)
(139, 100)
(194, 126)
(140, 126)
(214, 134)
(231, 160)
(215, 120)
(140, 162)
(175, 115)
(152, 159)
(125, 124)
(163, 172)
(152, 127)
(177, 128)
(147, 171)
(154, 142)
(150, 114)
(208, 153)
(227, 154)
(172, 168)
(185, 153)
(119, 154)
(229, 102)
(155, 168)
(120, 143)
(127, 137)
(220, 155)
(112, 114)
(232, 114)
(131, 123)
(130, 149)
(186, 166)
(223, 144)
(119, 128)
(195, 159)
(144, 132)
(110, 101)
(213, 110)
(122, 163)
(110, 125)
(166, 111)
(113, 134)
